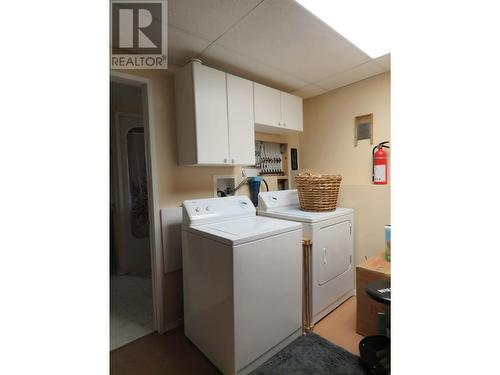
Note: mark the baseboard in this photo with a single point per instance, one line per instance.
(171, 325)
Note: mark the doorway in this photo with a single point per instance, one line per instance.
(131, 282)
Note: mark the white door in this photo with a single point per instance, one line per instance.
(334, 251)
(240, 120)
(211, 115)
(291, 112)
(267, 105)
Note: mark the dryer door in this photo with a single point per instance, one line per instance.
(334, 251)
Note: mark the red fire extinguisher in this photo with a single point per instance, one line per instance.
(379, 164)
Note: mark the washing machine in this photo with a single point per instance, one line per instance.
(331, 234)
(242, 282)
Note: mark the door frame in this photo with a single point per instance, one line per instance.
(154, 211)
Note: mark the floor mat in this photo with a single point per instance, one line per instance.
(312, 354)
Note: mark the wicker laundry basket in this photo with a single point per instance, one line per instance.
(318, 192)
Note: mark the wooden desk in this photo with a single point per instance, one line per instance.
(374, 268)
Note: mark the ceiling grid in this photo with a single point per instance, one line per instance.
(273, 42)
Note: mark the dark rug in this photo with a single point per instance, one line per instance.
(312, 354)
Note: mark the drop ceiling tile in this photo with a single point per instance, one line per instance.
(384, 61)
(232, 62)
(309, 91)
(207, 19)
(286, 36)
(183, 46)
(358, 73)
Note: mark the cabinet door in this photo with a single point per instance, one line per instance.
(211, 115)
(240, 120)
(291, 112)
(267, 105)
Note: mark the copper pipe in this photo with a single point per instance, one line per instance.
(307, 316)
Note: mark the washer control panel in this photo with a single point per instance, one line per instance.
(204, 211)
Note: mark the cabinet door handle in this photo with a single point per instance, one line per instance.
(324, 256)
(233, 161)
(279, 123)
(284, 124)
(225, 160)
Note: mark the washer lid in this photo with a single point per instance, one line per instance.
(239, 231)
(296, 214)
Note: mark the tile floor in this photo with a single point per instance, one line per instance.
(339, 326)
(131, 313)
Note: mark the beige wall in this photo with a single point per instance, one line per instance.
(176, 183)
(327, 146)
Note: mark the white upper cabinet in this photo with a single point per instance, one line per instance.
(276, 111)
(267, 105)
(291, 112)
(211, 115)
(240, 113)
(217, 115)
(214, 116)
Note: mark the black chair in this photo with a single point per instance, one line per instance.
(375, 351)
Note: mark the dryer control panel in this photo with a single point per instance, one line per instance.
(275, 199)
(206, 211)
